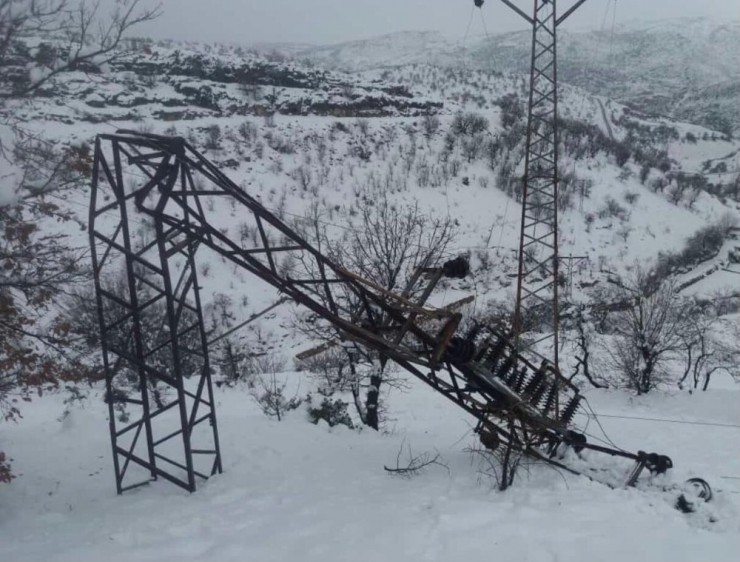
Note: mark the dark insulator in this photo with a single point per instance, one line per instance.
(474, 332)
(550, 401)
(537, 381)
(505, 367)
(576, 440)
(570, 410)
(658, 464)
(492, 354)
(515, 375)
(518, 385)
(457, 268)
(490, 361)
(479, 3)
(537, 395)
(482, 353)
(511, 377)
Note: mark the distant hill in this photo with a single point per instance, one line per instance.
(688, 69)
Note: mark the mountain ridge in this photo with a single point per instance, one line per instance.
(650, 66)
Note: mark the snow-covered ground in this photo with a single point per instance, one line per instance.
(295, 491)
(292, 490)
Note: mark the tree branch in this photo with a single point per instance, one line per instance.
(414, 464)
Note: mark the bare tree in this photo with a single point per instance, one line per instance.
(706, 353)
(385, 245)
(499, 464)
(430, 124)
(251, 91)
(35, 341)
(648, 331)
(79, 36)
(469, 124)
(584, 345)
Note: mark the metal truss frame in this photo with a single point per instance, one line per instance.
(152, 325)
(152, 329)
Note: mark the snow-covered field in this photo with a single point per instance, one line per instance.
(295, 491)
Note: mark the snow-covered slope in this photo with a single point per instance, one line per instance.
(686, 68)
(338, 139)
(335, 143)
(292, 490)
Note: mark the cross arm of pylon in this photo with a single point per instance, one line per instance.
(560, 20)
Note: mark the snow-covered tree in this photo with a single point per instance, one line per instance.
(39, 41)
(648, 330)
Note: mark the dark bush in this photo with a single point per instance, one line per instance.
(612, 209)
(512, 111)
(334, 412)
(469, 124)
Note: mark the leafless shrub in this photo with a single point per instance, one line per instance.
(430, 125)
(706, 351)
(213, 137)
(248, 131)
(363, 127)
(304, 178)
(269, 393)
(499, 465)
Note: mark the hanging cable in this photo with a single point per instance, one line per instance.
(593, 57)
(483, 21)
(614, 25)
(594, 54)
(591, 414)
(662, 420)
(606, 14)
(503, 223)
(476, 4)
(465, 37)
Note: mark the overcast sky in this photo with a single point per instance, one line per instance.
(331, 21)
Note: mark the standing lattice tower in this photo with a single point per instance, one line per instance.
(537, 302)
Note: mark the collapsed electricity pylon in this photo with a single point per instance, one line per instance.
(537, 306)
(152, 328)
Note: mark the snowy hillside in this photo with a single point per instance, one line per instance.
(395, 49)
(686, 68)
(337, 140)
(316, 145)
(306, 140)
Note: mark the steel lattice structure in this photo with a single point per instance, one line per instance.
(146, 288)
(537, 301)
(152, 325)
